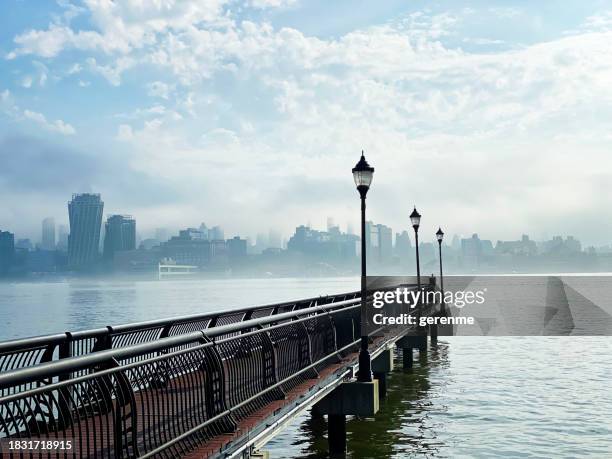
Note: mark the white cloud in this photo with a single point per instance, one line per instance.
(154, 110)
(112, 73)
(158, 89)
(75, 68)
(599, 22)
(124, 132)
(271, 3)
(121, 26)
(26, 81)
(49, 43)
(55, 126)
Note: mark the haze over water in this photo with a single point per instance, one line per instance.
(474, 397)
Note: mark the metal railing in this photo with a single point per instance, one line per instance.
(27, 352)
(169, 396)
(166, 397)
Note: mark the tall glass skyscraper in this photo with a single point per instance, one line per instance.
(85, 214)
(7, 251)
(120, 234)
(48, 234)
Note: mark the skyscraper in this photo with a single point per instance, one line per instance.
(62, 238)
(385, 243)
(161, 234)
(48, 234)
(120, 234)
(403, 247)
(7, 251)
(215, 233)
(274, 239)
(85, 214)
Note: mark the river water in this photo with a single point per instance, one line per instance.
(469, 397)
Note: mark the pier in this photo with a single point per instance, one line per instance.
(219, 384)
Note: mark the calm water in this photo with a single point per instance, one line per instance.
(472, 397)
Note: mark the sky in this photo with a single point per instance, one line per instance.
(490, 116)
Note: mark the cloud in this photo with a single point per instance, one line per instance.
(598, 22)
(271, 3)
(112, 73)
(258, 113)
(121, 26)
(75, 68)
(26, 81)
(41, 175)
(158, 89)
(55, 126)
(125, 132)
(49, 43)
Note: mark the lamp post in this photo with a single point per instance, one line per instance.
(415, 219)
(362, 174)
(439, 237)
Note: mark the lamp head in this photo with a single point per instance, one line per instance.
(362, 174)
(415, 219)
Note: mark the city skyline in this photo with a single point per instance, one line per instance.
(273, 239)
(266, 234)
(251, 115)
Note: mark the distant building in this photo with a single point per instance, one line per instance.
(148, 244)
(274, 239)
(403, 247)
(427, 252)
(161, 234)
(119, 235)
(371, 240)
(7, 251)
(560, 247)
(323, 245)
(471, 249)
(191, 247)
(24, 244)
(261, 243)
(137, 260)
(216, 234)
(524, 246)
(379, 242)
(62, 238)
(456, 243)
(385, 243)
(41, 261)
(205, 231)
(48, 234)
(85, 213)
(236, 248)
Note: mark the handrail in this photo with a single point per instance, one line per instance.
(72, 364)
(25, 352)
(172, 395)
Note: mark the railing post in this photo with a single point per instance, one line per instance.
(124, 416)
(104, 342)
(305, 350)
(269, 366)
(214, 387)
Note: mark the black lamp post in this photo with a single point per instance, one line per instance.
(362, 173)
(440, 236)
(415, 219)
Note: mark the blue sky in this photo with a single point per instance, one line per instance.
(490, 116)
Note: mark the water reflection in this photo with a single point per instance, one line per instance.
(403, 426)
